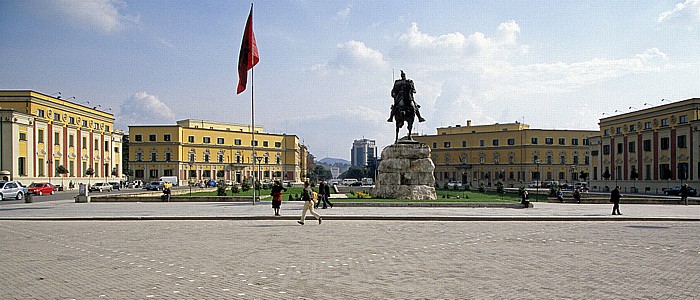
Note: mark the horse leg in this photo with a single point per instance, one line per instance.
(397, 134)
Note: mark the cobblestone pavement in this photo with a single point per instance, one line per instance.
(278, 259)
(70, 209)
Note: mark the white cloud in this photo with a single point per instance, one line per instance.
(352, 56)
(143, 108)
(105, 15)
(344, 13)
(688, 11)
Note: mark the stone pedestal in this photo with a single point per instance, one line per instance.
(406, 172)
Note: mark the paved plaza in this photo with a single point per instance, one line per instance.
(229, 258)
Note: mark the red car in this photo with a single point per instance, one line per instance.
(40, 188)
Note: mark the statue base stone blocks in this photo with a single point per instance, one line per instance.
(406, 172)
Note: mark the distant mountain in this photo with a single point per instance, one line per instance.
(332, 161)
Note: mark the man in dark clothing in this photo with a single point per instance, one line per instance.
(324, 193)
(684, 193)
(615, 199)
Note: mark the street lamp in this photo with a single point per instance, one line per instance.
(537, 182)
(189, 176)
(255, 184)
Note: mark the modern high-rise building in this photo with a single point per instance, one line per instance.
(196, 150)
(362, 151)
(512, 153)
(40, 133)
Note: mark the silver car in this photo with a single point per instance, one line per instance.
(101, 187)
(11, 189)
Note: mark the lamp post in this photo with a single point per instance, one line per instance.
(537, 181)
(255, 184)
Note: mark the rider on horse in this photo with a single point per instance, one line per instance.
(404, 90)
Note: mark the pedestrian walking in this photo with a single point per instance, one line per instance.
(324, 192)
(307, 196)
(577, 195)
(166, 195)
(560, 195)
(276, 193)
(525, 199)
(615, 199)
(684, 193)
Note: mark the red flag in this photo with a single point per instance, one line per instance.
(249, 56)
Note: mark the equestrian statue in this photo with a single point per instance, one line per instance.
(404, 108)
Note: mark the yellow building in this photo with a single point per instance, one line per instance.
(512, 153)
(648, 150)
(39, 133)
(197, 150)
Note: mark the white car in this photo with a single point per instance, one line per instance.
(453, 184)
(101, 187)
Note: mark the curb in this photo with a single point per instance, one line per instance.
(368, 218)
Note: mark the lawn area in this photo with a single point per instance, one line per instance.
(464, 196)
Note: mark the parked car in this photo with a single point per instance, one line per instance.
(356, 183)
(41, 188)
(11, 189)
(581, 186)
(566, 186)
(115, 185)
(137, 183)
(228, 182)
(155, 186)
(453, 184)
(534, 184)
(676, 191)
(101, 187)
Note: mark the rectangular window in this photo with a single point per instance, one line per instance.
(562, 159)
(97, 144)
(206, 140)
(192, 157)
(511, 142)
(494, 142)
(586, 142)
(481, 143)
(22, 166)
(220, 141)
(153, 174)
(85, 123)
(190, 139)
(562, 141)
(575, 162)
(40, 136)
(682, 142)
(96, 126)
(620, 148)
(56, 117)
(41, 167)
(665, 143)
(633, 127)
(40, 113)
(206, 157)
(446, 144)
(106, 145)
(534, 141)
(151, 137)
(116, 149)
(574, 142)
(646, 145)
(647, 125)
(606, 132)
(606, 149)
(664, 122)
(549, 141)
(166, 137)
(254, 143)
(618, 130)
(237, 142)
(220, 158)
(138, 173)
(154, 156)
(167, 157)
(56, 138)
(266, 144)
(278, 144)
(137, 138)
(594, 153)
(683, 119)
(22, 136)
(107, 128)
(70, 140)
(631, 147)
(464, 144)
(168, 172)
(434, 145)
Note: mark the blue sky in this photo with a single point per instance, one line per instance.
(327, 67)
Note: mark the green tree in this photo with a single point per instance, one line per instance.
(245, 186)
(499, 188)
(221, 188)
(355, 172)
(89, 172)
(61, 171)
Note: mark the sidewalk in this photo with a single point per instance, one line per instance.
(69, 210)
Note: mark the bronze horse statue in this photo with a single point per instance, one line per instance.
(405, 108)
(404, 114)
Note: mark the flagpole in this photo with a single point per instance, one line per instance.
(252, 118)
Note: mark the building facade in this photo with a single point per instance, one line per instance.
(39, 133)
(362, 151)
(648, 150)
(512, 153)
(198, 150)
